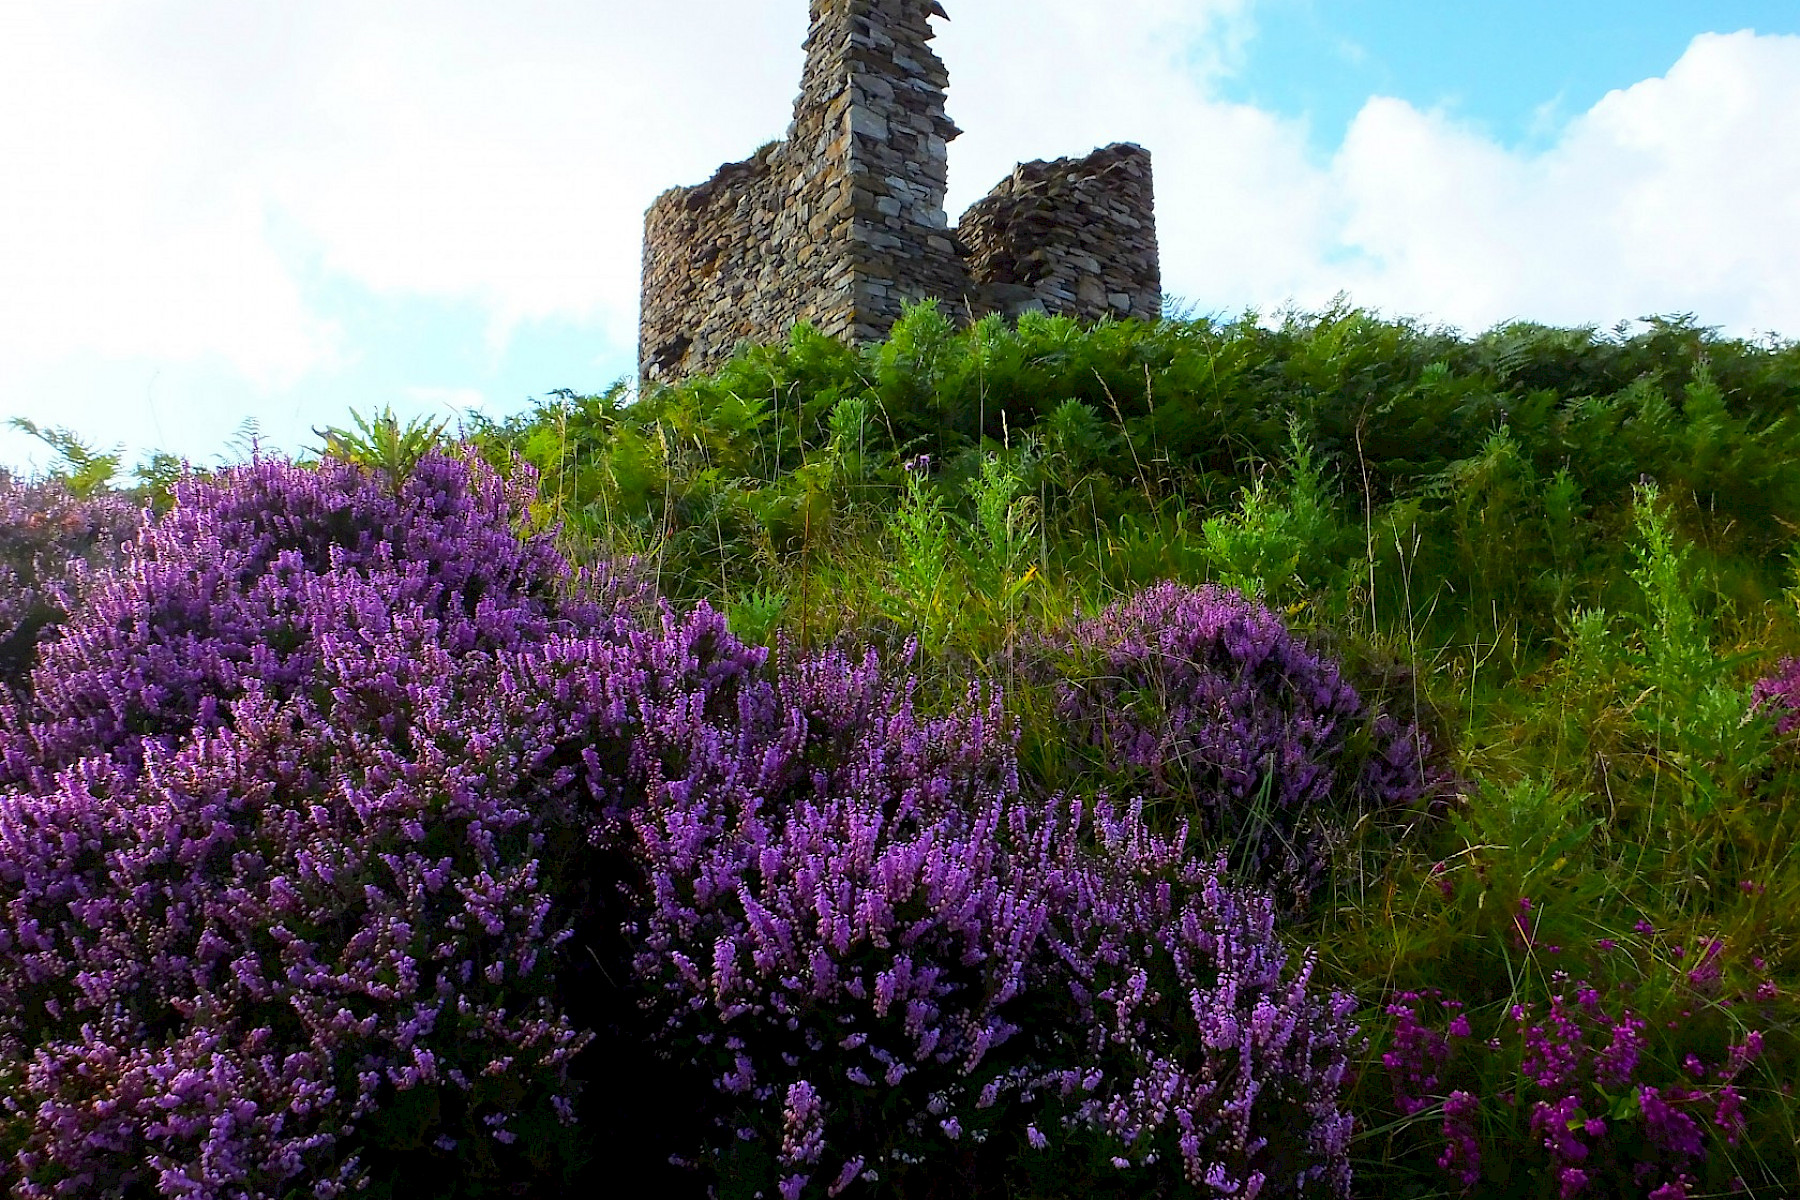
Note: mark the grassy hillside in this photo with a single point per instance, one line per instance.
(1568, 553)
(1472, 654)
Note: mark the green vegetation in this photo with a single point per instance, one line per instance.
(1567, 556)
(1568, 553)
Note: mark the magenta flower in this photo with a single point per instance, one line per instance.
(1780, 695)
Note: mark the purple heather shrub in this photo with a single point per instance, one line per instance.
(1780, 694)
(288, 819)
(50, 540)
(833, 918)
(225, 589)
(893, 964)
(1207, 1050)
(287, 919)
(219, 970)
(1205, 699)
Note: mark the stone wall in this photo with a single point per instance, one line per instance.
(711, 268)
(899, 163)
(839, 225)
(1073, 236)
(843, 223)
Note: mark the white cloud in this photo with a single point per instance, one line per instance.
(1241, 212)
(187, 180)
(510, 159)
(1681, 193)
(462, 150)
(120, 232)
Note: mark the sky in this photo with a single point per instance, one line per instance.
(219, 216)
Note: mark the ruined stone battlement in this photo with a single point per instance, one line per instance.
(1074, 236)
(843, 222)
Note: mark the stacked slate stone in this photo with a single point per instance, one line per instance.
(902, 249)
(843, 223)
(839, 225)
(1074, 236)
(712, 269)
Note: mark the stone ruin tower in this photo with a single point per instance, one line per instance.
(843, 222)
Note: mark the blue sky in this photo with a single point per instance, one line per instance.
(218, 212)
(1518, 69)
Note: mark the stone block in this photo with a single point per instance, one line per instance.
(866, 122)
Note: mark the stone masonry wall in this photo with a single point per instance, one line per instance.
(712, 267)
(839, 225)
(1073, 236)
(899, 163)
(843, 223)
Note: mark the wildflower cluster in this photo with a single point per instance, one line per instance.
(305, 801)
(50, 539)
(891, 962)
(1206, 1046)
(1780, 693)
(1415, 1060)
(1608, 1114)
(1205, 699)
(255, 574)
